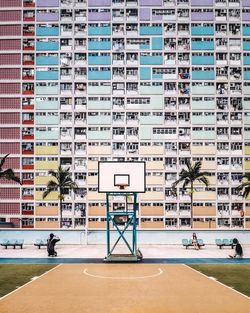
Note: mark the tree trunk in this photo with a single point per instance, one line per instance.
(191, 208)
(60, 212)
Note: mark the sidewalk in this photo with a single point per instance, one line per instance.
(99, 251)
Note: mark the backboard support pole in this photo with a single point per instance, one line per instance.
(127, 218)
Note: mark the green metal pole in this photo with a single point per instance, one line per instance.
(134, 225)
(107, 221)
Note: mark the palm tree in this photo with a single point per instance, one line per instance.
(188, 177)
(61, 183)
(245, 185)
(9, 173)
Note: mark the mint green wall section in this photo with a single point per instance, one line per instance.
(145, 133)
(99, 120)
(99, 105)
(151, 90)
(203, 119)
(46, 104)
(46, 75)
(157, 43)
(247, 135)
(50, 135)
(203, 105)
(99, 60)
(202, 31)
(151, 120)
(151, 30)
(204, 134)
(145, 73)
(246, 90)
(47, 31)
(202, 60)
(99, 90)
(47, 90)
(203, 90)
(100, 30)
(47, 60)
(203, 75)
(156, 103)
(47, 120)
(99, 75)
(246, 105)
(99, 135)
(247, 119)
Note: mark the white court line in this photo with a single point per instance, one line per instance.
(218, 282)
(160, 271)
(29, 282)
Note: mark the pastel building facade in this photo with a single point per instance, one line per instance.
(153, 80)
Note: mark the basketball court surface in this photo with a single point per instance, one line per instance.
(124, 288)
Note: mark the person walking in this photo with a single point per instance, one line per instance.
(51, 242)
(195, 242)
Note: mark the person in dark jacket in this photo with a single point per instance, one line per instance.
(238, 249)
(51, 242)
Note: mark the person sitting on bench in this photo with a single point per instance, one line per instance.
(238, 249)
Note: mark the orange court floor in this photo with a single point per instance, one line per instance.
(124, 288)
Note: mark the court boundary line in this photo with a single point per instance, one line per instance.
(160, 271)
(29, 282)
(218, 282)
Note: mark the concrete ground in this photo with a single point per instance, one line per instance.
(99, 251)
(130, 288)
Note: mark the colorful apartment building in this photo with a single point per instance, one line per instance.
(152, 80)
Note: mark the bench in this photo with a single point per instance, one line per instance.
(12, 243)
(40, 243)
(188, 243)
(224, 243)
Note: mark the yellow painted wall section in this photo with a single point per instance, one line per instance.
(92, 165)
(52, 196)
(43, 180)
(247, 225)
(53, 150)
(208, 165)
(205, 195)
(96, 196)
(93, 180)
(247, 149)
(94, 225)
(46, 165)
(203, 150)
(247, 165)
(97, 211)
(149, 224)
(99, 150)
(46, 224)
(205, 224)
(155, 180)
(152, 150)
(151, 196)
(154, 165)
(204, 211)
(46, 211)
(247, 211)
(152, 210)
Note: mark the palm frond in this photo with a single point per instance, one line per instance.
(51, 186)
(10, 175)
(203, 180)
(3, 161)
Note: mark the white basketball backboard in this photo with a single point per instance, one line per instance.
(121, 177)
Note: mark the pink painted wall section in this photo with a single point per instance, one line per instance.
(10, 3)
(10, 103)
(10, 44)
(10, 30)
(10, 73)
(10, 133)
(9, 193)
(11, 148)
(10, 88)
(10, 118)
(10, 59)
(9, 208)
(10, 16)
(13, 163)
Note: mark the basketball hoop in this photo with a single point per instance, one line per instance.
(122, 186)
